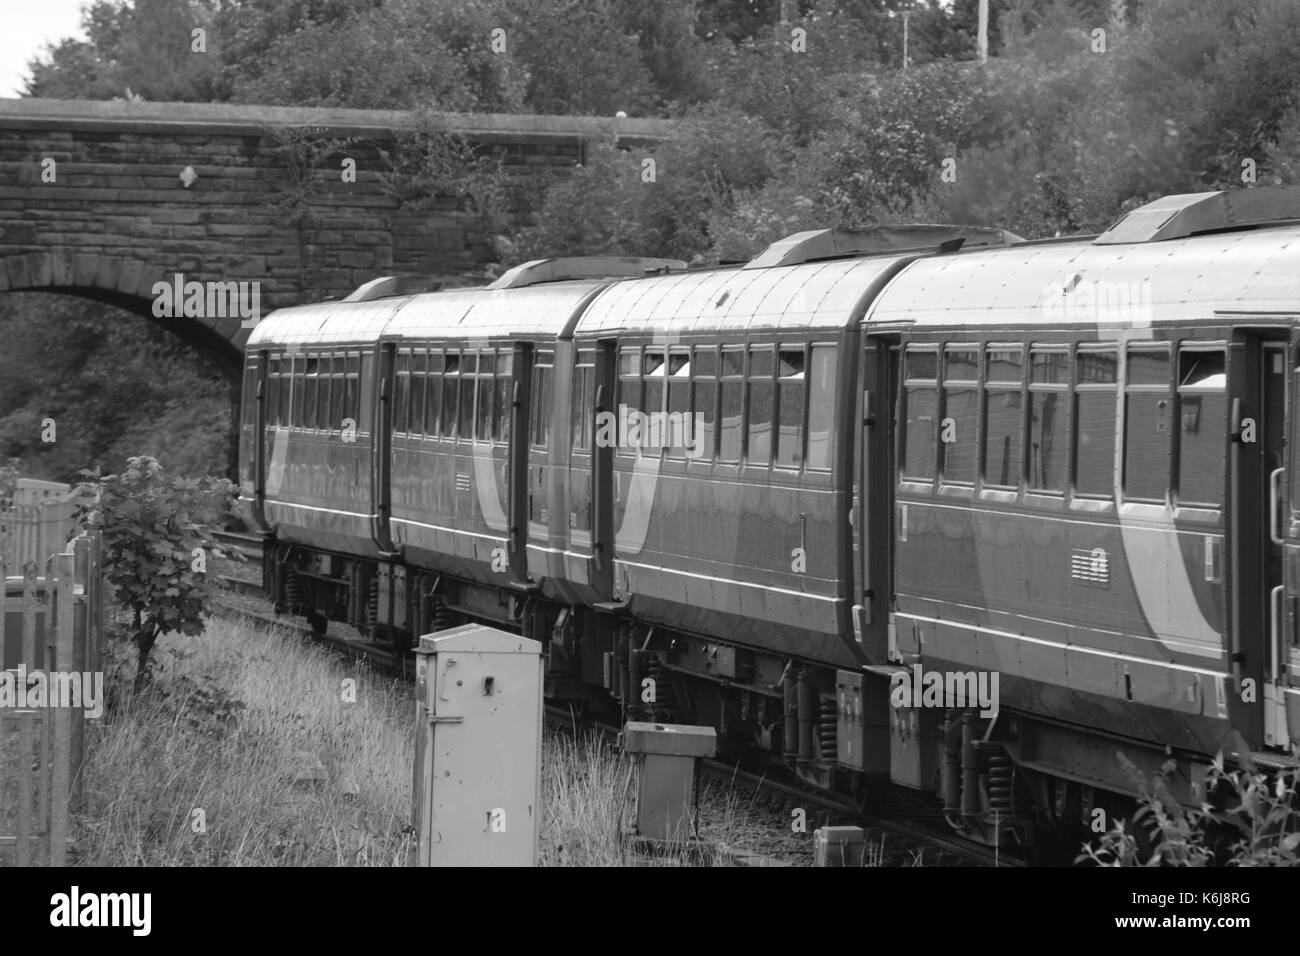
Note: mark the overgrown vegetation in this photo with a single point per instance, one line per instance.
(1253, 821)
(155, 547)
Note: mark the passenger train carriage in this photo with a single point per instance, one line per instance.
(766, 497)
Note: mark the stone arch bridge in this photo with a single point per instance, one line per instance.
(96, 200)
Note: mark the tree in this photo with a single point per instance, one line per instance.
(148, 46)
(155, 548)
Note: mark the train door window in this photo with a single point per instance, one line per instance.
(351, 391)
(433, 394)
(419, 371)
(1049, 420)
(704, 400)
(311, 382)
(1096, 378)
(959, 429)
(1148, 424)
(298, 369)
(678, 428)
(366, 396)
(629, 383)
(273, 392)
(821, 406)
(338, 377)
(402, 391)
(542, 410)
(732, 406)
(505, 395)
(1004, 412)
(654, 371)
(1202, 425)
(920, 413)
(762, 399)
(450, 395)
(580, 407)
(791, 377)
(468, 371)
(487, 369)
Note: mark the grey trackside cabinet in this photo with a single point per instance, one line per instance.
(478, 747)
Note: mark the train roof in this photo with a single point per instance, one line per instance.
(325, 323)
(799, 297)
(539, 311)
(1099, 282)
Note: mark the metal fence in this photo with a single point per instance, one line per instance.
(52, 623)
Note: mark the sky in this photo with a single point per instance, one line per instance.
(25, 27)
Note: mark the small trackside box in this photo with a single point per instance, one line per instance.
(672, 740)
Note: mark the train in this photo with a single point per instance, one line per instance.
(1007, 524)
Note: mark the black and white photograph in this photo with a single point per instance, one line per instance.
(644, 434)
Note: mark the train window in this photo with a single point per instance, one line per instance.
(505, 396)
(791, 407)
(732, 405)
(311, 389)
(465, 429)
(580, 408)
(351, 383)
(433, 379)
(484, 417)
(1096, 377)
(364, 386)
(1003, 417)
(762, 396)
(1202, 426)
(338, 389)
(273, 392)
(704, 402)
(678, 430)
(821, 406)
(920, 413)
(450, 394)
(1148, 414)
(541, 411)
(419, 373)
(653, 371)
(629, 380)
(1049, 420)
(959, 429)
(402, 391)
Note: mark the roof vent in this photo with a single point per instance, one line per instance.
(838, 243)
(583, 267)
(386, 286)
(1176, 217)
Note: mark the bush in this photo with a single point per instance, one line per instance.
(1256, 824)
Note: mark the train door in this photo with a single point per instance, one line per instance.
(602, 476)
(873, 510)
(519, 462)
(1257, 387)
(540, 421)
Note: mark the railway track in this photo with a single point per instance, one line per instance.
(911, 839)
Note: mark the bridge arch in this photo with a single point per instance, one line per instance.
(127, 283)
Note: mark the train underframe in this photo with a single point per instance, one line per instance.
(1014, 780)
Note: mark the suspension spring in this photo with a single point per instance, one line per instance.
(293, 590)
(372, 603)
(665, 704)
(826, 730)
(441, 614)
(1002, 784)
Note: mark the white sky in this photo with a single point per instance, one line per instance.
(25, 27)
